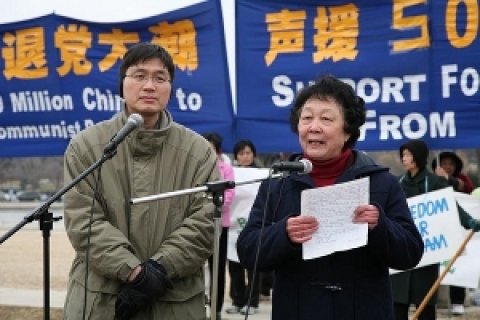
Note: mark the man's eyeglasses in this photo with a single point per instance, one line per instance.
(143, 78)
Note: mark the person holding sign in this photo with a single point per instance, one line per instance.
(244, 153)
(450, 167)
(350, 284)
(226, 172)
(411, 287)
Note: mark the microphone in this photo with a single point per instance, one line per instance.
(302, 166)
(133, 122)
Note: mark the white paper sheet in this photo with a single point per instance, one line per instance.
(333, 207)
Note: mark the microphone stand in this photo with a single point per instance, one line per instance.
(217, 189)
(45, 220)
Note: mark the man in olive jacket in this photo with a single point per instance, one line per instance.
(143, 261)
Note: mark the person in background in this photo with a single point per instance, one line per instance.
(145, 261)
(246, 158)
(244, 153)
(451, 169)
(411, 287)
(351, 284)
(226, 172)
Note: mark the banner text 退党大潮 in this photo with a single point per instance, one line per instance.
(415, 64)
(60, 75)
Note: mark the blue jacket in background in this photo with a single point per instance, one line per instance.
(353, 284)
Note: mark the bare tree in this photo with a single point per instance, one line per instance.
(5, 166)
(29, 171)
(54, 171)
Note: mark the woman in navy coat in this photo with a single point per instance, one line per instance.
(345, 285)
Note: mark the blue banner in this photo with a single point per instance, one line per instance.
(414, 62)
(60, 75)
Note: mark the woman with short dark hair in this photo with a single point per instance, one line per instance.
(352, 284)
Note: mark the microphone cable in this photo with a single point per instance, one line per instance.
(89, 232)
(259, 243)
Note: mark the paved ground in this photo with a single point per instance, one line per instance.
(34, 298)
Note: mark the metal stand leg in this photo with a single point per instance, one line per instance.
(45, 223)
(218, 201)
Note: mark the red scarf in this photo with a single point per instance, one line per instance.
(325, 173)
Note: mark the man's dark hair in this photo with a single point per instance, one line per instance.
(240, 145)
(215, 139)
(141, 53)
(328, 87)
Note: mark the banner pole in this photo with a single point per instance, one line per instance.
(440, 278)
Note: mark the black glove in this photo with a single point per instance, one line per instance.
(148, 285)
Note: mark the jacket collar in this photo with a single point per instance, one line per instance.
(143, 142)
(419, 177)
(363, 165)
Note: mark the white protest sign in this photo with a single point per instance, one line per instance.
(241, 205)
(465, 272)
(436, 216)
